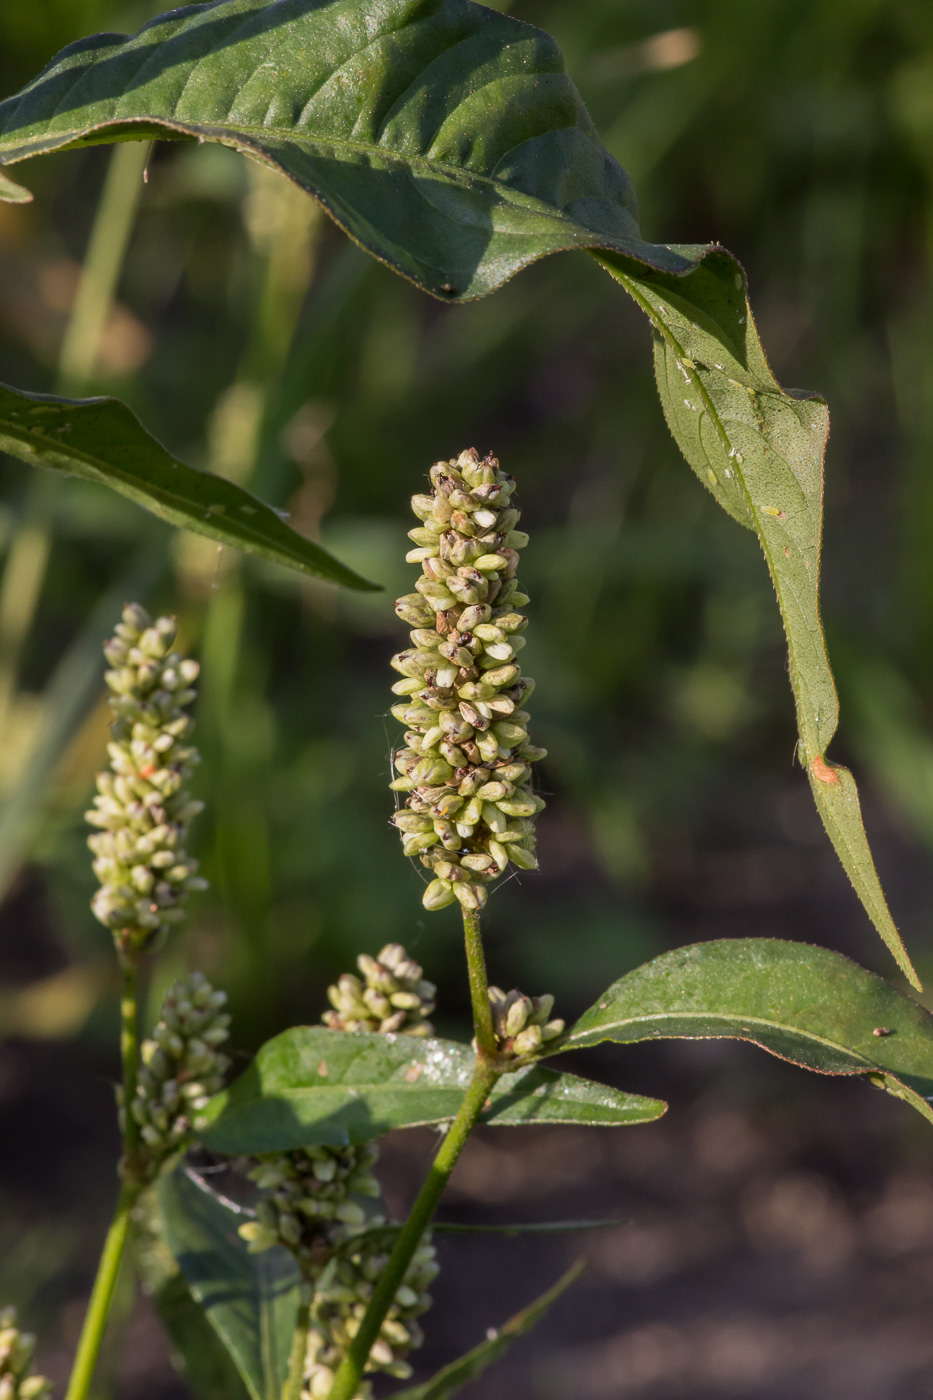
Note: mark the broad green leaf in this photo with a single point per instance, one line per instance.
(313, 1085)
(443, 137)
(11, 193)
(448, 141)
(804, 1004)
(103, 441)
(250, 1300)
(470, 1367)
(201, 1356)
(760, 452)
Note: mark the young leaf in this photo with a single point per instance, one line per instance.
(103, 441)
(803, 1004)
(760, 452)
(459, 1373)
(448, 141)
(313, 1085)
(251, 1300)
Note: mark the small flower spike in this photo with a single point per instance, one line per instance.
(391, 995)
(521, 1023)
(466, 765)
(182, 1066)
(17, 1381)
(142, 805)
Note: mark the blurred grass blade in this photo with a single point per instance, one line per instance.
(103, 441)
(66, 701)
(251, 1300)
(11, 193)
(803, 1004)
(468, 1368)
(760, 450)
(312, 1085)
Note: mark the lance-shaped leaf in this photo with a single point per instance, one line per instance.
(804, 1004)
(313, 1085)
(103, 441)
(471, 1366)
(449, 142)
(250, 1300)
(760, 452)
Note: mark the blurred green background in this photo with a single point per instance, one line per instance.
(253, 339)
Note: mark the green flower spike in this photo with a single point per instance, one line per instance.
(521, 1023)
(16, 1379)
(340, 1304)
(392, 995)
(307, 1203)
(465, 768)
(142, 802)
(182, 1065)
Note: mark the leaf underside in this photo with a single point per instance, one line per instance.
(103, 441)
(469, 1367)
(311, 1085)
(447, 140)
(250, 1300)
(808, 1005)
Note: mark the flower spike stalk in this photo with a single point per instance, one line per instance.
(466, 765)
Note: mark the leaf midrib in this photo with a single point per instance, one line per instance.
(752, 1021)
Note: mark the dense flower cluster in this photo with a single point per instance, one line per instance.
(307, 1198)
(391, 996)
(466, 762)
(142, 803)
(521, 1022)
(181, 1066)
(16, 1379)
(340, 1303)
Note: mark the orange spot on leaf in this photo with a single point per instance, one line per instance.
(413, 1072)
(822, 771)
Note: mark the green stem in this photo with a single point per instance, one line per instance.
(129, 1047)
(92, 1333)
(347, 1379)
(296, 1361)
(479, 986)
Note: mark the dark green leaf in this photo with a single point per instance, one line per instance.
(459, 1373)
(312, 1085)
(804, 1004)
(760, 452)
(448, 141)
(102, 441)
(443, 137)
(251, 1300)
(200, 1355)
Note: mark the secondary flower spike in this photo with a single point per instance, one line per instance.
(466, 765)
(142, 803)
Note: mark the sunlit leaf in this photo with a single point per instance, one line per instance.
(102, 441)
(760, 452)
(804, 1004)
(312, 1085)
(250, 1300)
(468, 1368)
